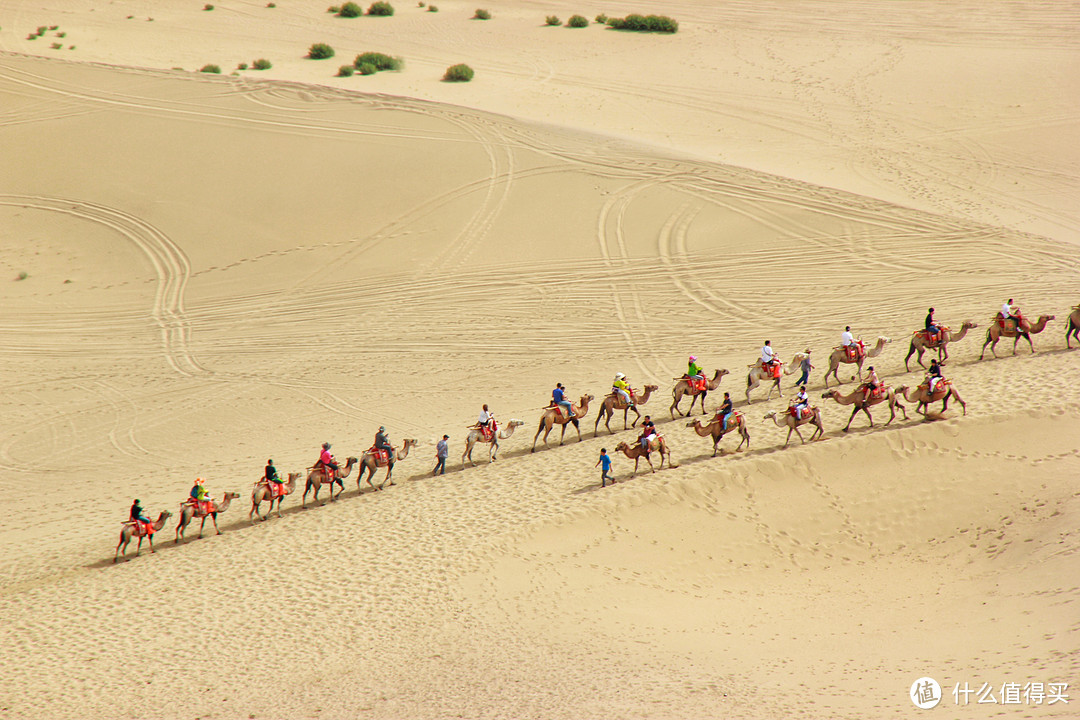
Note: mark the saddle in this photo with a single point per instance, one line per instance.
(874, 394)
(697, 385)
(932, 339)
(275, 489)
(331, 474)
(140, 529)
(619, 403)
(202, 507)
(487, 433)
(735, 421)
(772, 369)
(652, 443)
(1004, 323)
(939, 391)
(800, 414)
(381, 457)
(854, 352)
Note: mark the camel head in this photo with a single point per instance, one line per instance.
(769, 415)
(652, 388)
(165, 515)
(693, 423)
(586, 399)
(293, 477)
(622, 447)
(828, 394)
(350, 461)
(230, 496)
(514, 423)
(720, 373)
(969, 325)
(798, 358)
(409, 442)
(883, 340)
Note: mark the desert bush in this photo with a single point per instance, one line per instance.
(54, 27)
(261, 64)
(242, 66)
(602, 19)
(320, 51)
(577, 21)
(553, 20)
(334, 9)
(42, 30)
(350, 10)
(382, 9)
(433, 8)
(421, 4)
(644, 23)
(31, 36)
(22, 275)
(482, 14)
(61, 34)
(271, 5)
(210, 69)
(380, 61)
(207, 7)
(57, 46)
(458, 73)
(345, 71)
(367, 69)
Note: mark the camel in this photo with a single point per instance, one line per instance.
(476, 436)
(132, 528)
(995, 333)
(923, 397)
(261, 492)
(637, 452)
(683, 388)
(1072, 327)
(318, 477)
(613, 402)
(188, 511)
(920, 345)
(367, 462)
(553, 416)
(756, 375)
(716, 430)
(786, 419)
(856, 399)
(839, 356)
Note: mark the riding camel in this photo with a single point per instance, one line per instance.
(839, 356)
(1072, 327)
(614, 402)
(134, 528)
(189, 511)
(856, 399)
(995, 333)
(683, 388)
(554, 416)
(475, 436)
(369, 463)
(919, 343)
(922, 396)
(319, 477)
(756, 375)
(717, 431)
(786, 419)
(636, 452)
(261, 492)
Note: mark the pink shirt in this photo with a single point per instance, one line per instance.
(326, 457)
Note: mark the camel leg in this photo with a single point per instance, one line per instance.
(853, 413)
(278, 506)
(493, 455)
(150, 539)
(577, 426)
(649, 460)
(675, 404)
(910, 352)
(214, 518)
(716, 445)
(118, 546)
(745, 439)
(138, 547)
(203, 525)
(796, 429)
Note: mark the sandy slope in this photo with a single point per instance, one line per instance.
(221, 270)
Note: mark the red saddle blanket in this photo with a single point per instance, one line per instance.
(276, 489)
(202, 507)
(382, 458)
(772, 369)
(932, 340)
(856, 351)
(800, 414)
(697, 385)
(488, 433)
(141, 529)
(940, 389)
(880, 392)
(1008, 323)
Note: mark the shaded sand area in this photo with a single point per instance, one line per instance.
(218, 271)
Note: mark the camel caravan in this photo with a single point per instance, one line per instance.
(769, 369)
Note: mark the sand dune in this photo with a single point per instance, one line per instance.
(219, 270)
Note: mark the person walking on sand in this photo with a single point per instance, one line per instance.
(605, 469)
(806, 368)
(441, 451)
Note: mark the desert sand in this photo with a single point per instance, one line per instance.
(199, 272)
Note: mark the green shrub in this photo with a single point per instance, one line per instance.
(345, 71)
(350, 10)
(333, 9)
(644, 23)
(210, 69)
(482, 15)
(242, 66)
(320, 51)
(22, 275)
(577, 21)
(57, 46)
(383, 9)
(422, 3)
(54, 27)
(433, 8)
(458, 73)
(261, 64)
(553, 20)
(42, 30)
(380, 61)
(271, 5)
(207, 7)
(31, 36)
(62, 34)
(367, 69)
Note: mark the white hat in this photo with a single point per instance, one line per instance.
(619, 376)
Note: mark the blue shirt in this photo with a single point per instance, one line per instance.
(605, 462)
(557, 395)
(441, 450)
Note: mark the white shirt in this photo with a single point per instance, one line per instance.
(767, 354)
(802, 398)
(484, 417)
(1006, 310)
(847, 338)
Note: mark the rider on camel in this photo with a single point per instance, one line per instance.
(724, 411)
(328, 461)
(648, 432)
(933, 376)
(382, 442)
(847, 341)
(801, 402)
(137, 513)
(198, 493)
(558, 398)
(693, 371)
(622, 387)
(768, 357)
(486, 420)
(931, 327)
(1011, 312)
(872, 384)
(270, 473)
